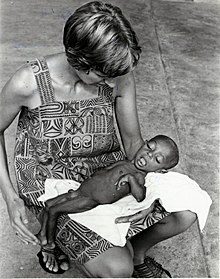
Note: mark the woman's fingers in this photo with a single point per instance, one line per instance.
(124, 219)
(132, 218)
(24, 218)
(19, 225)
(135, 217)
(23, 240)
(24, 233)
(19, 220)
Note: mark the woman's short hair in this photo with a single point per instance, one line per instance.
(97, 36)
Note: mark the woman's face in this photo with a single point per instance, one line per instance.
(95, 78)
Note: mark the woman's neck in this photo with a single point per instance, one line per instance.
(60, 70)
(66, 82)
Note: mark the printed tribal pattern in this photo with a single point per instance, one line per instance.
(81, 245)
(156, 215)
(78, 242)
(42, 76)
(64, 140)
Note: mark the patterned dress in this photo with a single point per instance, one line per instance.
(68, 140)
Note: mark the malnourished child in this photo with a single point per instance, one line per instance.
(110, 184)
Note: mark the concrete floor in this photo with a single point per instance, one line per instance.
(178, 94)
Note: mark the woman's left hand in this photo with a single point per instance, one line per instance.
(135, 217)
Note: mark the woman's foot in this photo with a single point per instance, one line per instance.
(53, 260)
(150, 269)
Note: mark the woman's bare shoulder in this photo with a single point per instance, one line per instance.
(23, 82)
(20, 88)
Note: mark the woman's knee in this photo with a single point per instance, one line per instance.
(114, 263)
(181, 220)
(118, 268)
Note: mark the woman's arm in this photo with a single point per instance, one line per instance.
(15, 94)
(126, 114)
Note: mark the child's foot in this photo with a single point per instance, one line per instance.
(42, 238)
(62, 259)
(53, 260)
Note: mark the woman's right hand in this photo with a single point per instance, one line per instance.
(15, 94)
(19, 220)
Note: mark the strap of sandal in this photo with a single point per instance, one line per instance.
(47, 250)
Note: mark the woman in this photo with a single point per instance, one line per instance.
(66, 130)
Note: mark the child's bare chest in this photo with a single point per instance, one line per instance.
(103, 184)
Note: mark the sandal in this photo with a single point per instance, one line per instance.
(59, 256)
(150, 269)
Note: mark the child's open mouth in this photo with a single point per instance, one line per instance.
(141, 162)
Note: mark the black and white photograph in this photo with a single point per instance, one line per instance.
(109, 138)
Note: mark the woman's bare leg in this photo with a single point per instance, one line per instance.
(169, 226)
(116, 262)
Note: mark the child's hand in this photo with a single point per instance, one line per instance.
(121, 182)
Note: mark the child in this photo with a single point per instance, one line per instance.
(110, 184)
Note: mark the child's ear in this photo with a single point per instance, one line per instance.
(162, 171)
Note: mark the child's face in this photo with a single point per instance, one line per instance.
(152, 156)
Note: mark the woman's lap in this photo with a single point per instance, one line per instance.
(78, 242)
(82, 245)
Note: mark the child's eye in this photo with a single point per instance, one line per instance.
(148, 146)
(159, 159)
(152, 146)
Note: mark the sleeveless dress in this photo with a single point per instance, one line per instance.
(68, 140)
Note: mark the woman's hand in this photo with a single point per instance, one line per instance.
(19, 220)
(135, 217)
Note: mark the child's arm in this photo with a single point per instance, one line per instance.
(136, 183)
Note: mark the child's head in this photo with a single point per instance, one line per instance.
(157, 154)
(98, 37)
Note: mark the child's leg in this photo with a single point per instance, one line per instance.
(42, 235)
(47, 256)
(72, 205)
(61, 198)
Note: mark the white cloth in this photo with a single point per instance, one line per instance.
(175, 191)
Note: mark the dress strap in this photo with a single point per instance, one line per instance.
(43, 79)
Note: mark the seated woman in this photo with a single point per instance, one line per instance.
(66, 104)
